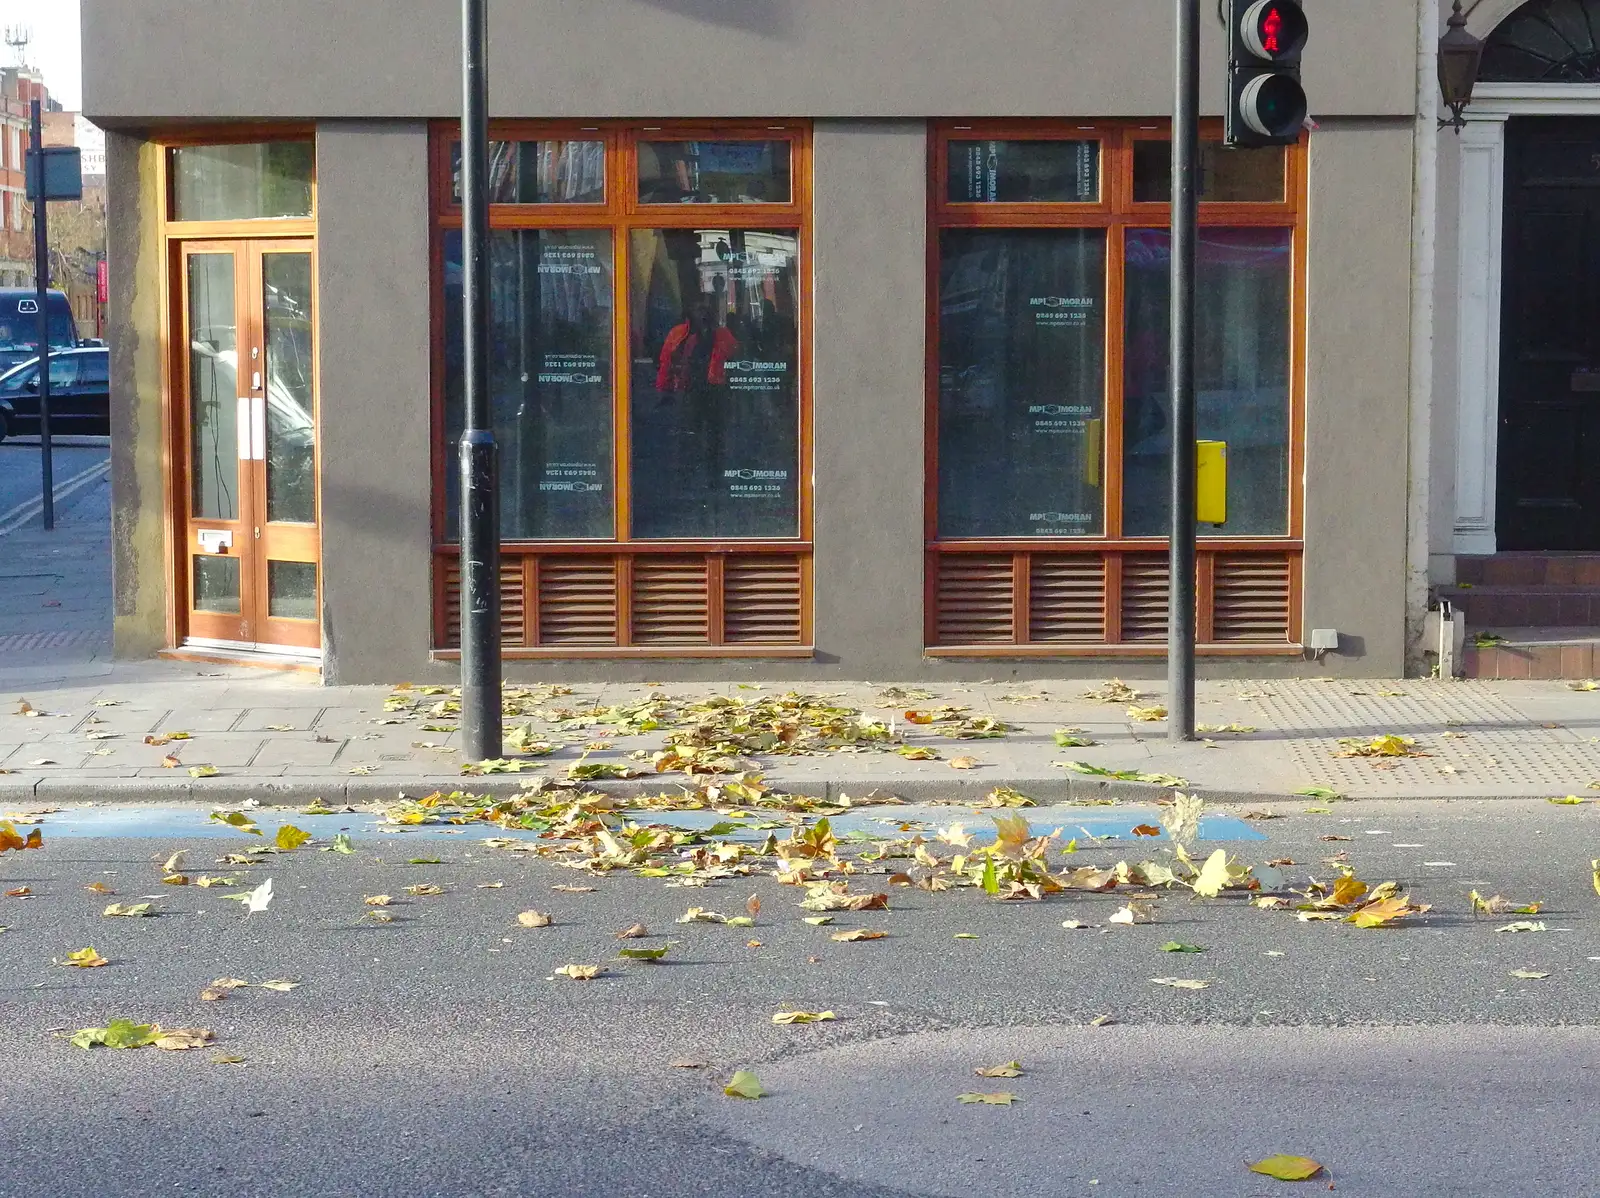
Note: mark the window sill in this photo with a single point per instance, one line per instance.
(640, 652)
(1103, 650)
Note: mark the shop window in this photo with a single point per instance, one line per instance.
(1049, 389)
(648, 385)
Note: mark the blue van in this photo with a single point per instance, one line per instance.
(19, 324)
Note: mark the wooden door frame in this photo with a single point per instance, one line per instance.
(174, 235)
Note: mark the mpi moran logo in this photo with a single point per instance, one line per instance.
(582, 379)
(752, 257)
(756, 475)
(1057, 409)
(751, 367)
(574, 488)
(567, 268)
(1059, 518)
(1062, 301)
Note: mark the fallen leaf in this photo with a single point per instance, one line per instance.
(966, 935)
(1528, 974)
(377, 900)
(119, 1033)
(1213, 875)
(1524, 925)
(203, 771)
(643, 954)
(1147, 715)
(686, 1064)
(181, 1039)
(170, 761)
(290, 838)
(174, 863)
(207, 881)
(99, 888)
(281, 985)
(222, 1058)
(424, 889)
(132, 910)
(19, 892)
(1181, 983)
(258, 899)
(1102, 1021)
(1074, 924)
(636, 932)
(237, 819)
(1177, 946)
(787, 1017)
(574, 889)
(580, 973)
(818, 921)
(84, 958)
(752, 906)
(1569, 801)
(1009, 1069)
(1003, 1098)
(1287, 1168)
(963, 763)
(175, 879)
(1132, 913)
(744, 1084)
(1385, 910)
(534, 919)
(859, 934)
(1146, 830)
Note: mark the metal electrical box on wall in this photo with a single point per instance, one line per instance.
(1211, 482)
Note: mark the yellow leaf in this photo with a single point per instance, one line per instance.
(85, 958)
(1148, 715)
(290, 837)
(580, 973)
(787, 1017)
(1213, 875)
(377, 900)
(859, 934)
(1384, 911)
(1181, 983)
(1003, 1098)
(1595, 866)
(201, 771)
(963, 763)
(1287, 1168)
(1528, 974)
(1009, 1069)
(744, 1084)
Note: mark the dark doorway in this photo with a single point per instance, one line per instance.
(1549, 452)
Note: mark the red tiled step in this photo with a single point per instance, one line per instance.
(1572, 652)
(1525, 605)
(1530, 569)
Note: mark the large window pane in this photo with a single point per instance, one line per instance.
(1015, 172)
(550, 369)
(540, 172)
(1021, 382)
(716, 383)
(291, 402)
(714, 172)
(1241, 376)
(1226, 176)
(242, 182)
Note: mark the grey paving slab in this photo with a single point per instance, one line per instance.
(283, 751)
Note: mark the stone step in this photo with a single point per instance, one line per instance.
(1530, 569)
(1559, 652)
(1525, 605)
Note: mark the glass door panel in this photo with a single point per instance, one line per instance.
(250, 400)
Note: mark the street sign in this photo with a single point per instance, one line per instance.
(102, 287)
(63, 174)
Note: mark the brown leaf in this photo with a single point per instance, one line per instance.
(19, 892)
(534, 919)
(1147, 830)
(377, 900)
(859, 934)
(637, 932)
(574, 889)
(752, 906)
(686, 1064)
(171, 762)
(180, 1039)
(963, 763)
(99, 888)
(580, 973)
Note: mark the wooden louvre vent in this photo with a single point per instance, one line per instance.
(1108, 598)
(675, 602)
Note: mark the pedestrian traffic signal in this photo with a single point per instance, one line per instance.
(1266, 104)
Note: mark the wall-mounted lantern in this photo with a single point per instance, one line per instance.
(1459, 56)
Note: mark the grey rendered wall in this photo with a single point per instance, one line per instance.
(148, 60)
(138, 541)
(1358, 366)
(372, 245)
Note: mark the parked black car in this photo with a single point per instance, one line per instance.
(19, 324)
(80, 394)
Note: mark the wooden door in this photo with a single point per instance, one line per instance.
(1549, 491)
(249, 417)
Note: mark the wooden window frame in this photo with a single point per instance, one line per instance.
(622, 212)
(1115, 211)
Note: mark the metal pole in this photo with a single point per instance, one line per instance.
(1185, 217)
(41, 288)
(481, 725)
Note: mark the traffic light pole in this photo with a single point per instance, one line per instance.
(1185, 219)
(481, 725)
(41, 287)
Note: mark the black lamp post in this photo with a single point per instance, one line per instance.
(1459, 56)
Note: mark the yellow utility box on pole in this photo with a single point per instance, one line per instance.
(1211, 482)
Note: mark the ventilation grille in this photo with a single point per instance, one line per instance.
(1250, 598)
(577, 601)
(669, 601)
(1144, 597)
(761, 599)
(976, 598)
(513, 604)
(1067, 599)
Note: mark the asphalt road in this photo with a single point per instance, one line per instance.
(439, 1054)
(19, 465)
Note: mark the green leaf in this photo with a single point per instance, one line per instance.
(1287, 1168)
(1569, 801)
(290, 837)
(134, 910)
(341, 844)
(237, 819)
(423, 861)
(119, 1033)
(1326, 794)
(1068, 738)
(991, 883)
(823, 920)
(643, 954)
(744, 1084)
(316, 807)
(966, 935)
(1177, 946)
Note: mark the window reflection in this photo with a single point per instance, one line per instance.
(714, 172)
(1021, 382)
(1014, 172)
(714, 339)
(1241, 376)
(291, 417)
(213, 389)
(550, 364)
(540, 172)
(251, 181)
(1226, 176)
